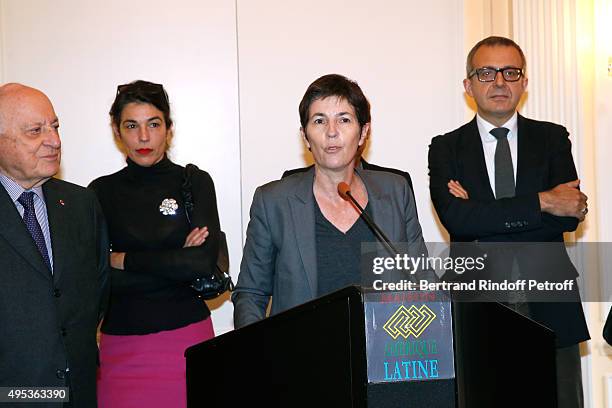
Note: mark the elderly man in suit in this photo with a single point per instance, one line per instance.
(505, 178)
(53, 257)
(304, 239)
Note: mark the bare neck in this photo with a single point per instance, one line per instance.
(326, 181)
(495, 120)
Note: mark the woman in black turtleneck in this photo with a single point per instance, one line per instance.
(154, 314)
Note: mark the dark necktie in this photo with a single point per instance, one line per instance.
(29, 217)
(504, 170)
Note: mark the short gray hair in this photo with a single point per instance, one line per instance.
(492, 41)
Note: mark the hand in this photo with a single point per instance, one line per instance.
(196, 237)
(116, 260)
(456, 189)
(565, 200)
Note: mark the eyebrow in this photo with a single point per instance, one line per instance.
(148, 120)
(504, 67)
(337, 114)
(36, 124)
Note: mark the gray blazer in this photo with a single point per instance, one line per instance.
(49, 321)
(279, 256)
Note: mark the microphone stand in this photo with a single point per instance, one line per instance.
(345, 192)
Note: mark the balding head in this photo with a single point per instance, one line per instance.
(29, 140)
(12, 96)
(14, 87)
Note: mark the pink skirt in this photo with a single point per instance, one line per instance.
(147, 370)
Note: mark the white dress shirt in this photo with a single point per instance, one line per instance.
(489, 143)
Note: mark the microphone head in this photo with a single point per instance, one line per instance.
(344, 190)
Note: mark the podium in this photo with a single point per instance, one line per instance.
(356, 348)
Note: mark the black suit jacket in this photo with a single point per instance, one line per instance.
(366, 166)
(49, 321)
(544, 161)
(607, 331)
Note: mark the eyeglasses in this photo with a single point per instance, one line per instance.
(143, 87)
(488, 74)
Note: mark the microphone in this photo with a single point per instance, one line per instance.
(345, 192)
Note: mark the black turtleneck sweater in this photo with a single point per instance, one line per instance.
(153, 292)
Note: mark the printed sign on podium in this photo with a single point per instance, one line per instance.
(409, 336)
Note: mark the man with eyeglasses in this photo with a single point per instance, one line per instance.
(505, 178)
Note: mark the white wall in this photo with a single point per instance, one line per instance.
(235, 72)
(602, 353)
(603, 113)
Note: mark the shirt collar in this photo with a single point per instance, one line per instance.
(14, 190)
(485, 127)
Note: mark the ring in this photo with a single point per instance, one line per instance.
(584, 210)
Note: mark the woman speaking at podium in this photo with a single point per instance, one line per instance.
(304, 238)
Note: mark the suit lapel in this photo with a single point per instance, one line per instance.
(474, 164)
(529, 158)
(58, 226)
(380, 208)
(302, 212)
(16, 234)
